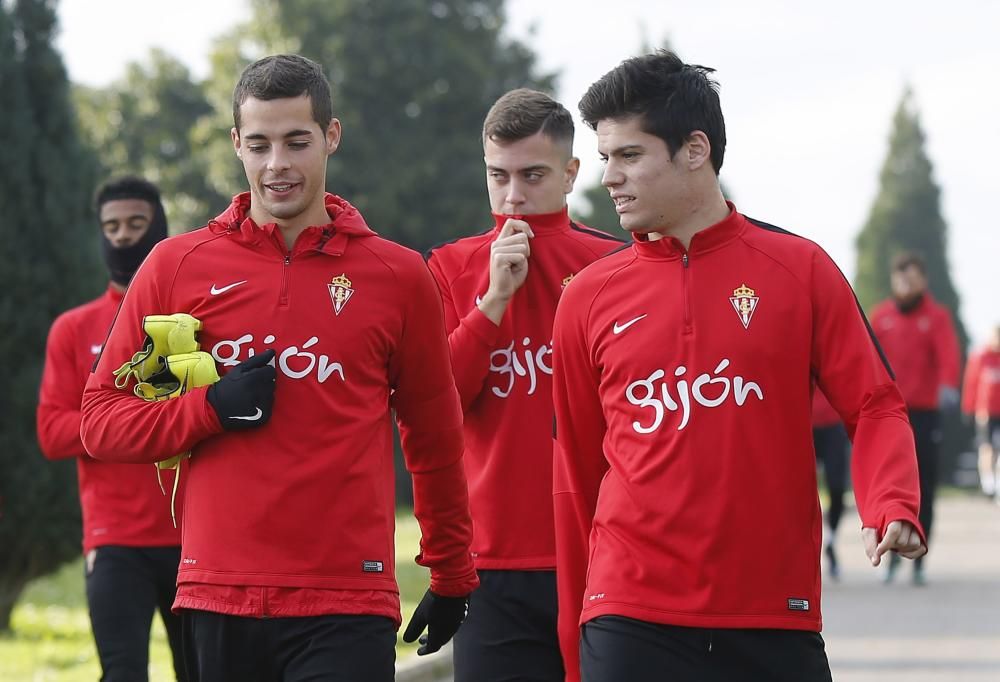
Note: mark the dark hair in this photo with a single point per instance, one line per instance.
(907, 259)
(672, 98)
(285, 75)
(521, 113)
(127, 187)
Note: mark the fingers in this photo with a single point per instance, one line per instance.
(510, 260)
(259, 360)
(514, 226)
(900, 536)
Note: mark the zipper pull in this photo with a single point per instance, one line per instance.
(684, 260)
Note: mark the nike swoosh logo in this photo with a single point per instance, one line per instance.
(252, 417)
(215, 291)
(619, 328)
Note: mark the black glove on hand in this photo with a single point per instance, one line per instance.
(243, 398)
(441, 616)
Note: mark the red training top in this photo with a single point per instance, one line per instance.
(981, 388)
(122, 504)
(685, 479)
(504, 377)
(922, 348)
(296, 518)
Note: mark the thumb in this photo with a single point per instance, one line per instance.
(889, 539)
(870, 538)
(259, 360)
(415, 626)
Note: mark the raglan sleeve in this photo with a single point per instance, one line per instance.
(471, 339)
(970, 384)
(430, 426)
(578, 464)
(117, 425)
(60, 393)
(855, 376)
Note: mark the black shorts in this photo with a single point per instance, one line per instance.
(510, 633)
(988, 432)
(613, 649)
(338, 648)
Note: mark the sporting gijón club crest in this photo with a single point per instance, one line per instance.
(744, 300)
(340, 292)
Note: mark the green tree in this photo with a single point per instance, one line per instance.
(144, 124)
(411, 83)
(50, 264)
(906, 216)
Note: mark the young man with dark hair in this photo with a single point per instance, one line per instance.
(919, 339)
(131, 547)
(981, 402)
(287, 567)
(688, 524)
(500, 290)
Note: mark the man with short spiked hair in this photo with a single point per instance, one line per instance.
(500, 290)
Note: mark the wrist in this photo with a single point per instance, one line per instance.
(494, 306)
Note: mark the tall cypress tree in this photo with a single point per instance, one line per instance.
(49, 264)
(906, 216)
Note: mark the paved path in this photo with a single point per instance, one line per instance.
(948, 630)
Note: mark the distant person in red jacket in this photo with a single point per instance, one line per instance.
(323, 331)
(918, 337)
(981, 401)
(687, 517)
(832, 447)
(131, 546)
(500, 289)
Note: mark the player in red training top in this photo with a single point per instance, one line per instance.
(919, 340)
(688, 525)
(131, 546)
(500, 290)
(287, 562)
(981, 401)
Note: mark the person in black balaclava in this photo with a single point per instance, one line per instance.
(131, 547)
(132, 222)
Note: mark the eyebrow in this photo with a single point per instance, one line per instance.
(290, 133)
(625, 148)
(128, 218)
(528, 169)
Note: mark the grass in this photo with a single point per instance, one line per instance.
(50, 638)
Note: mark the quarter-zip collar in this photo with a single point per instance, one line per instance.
(708, 239)
(332, 238)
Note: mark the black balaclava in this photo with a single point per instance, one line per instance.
(124, 262)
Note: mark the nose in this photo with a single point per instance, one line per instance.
(612, 177)
(515, 193)
(278, 160)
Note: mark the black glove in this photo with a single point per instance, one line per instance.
(441, 616)
(243, 398)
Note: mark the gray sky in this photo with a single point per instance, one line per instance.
(808, 90)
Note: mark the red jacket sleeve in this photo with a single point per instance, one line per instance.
(854, 375)
(471, 340)
(430, 427)
(58, 413)
(970, 385)
(946, 349)
(117, 425)
(578, 466)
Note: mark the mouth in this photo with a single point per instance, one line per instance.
(280, 189)
(622, 202)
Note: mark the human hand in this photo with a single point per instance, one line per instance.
(441, 616)
(900, 536)
(509, 255)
